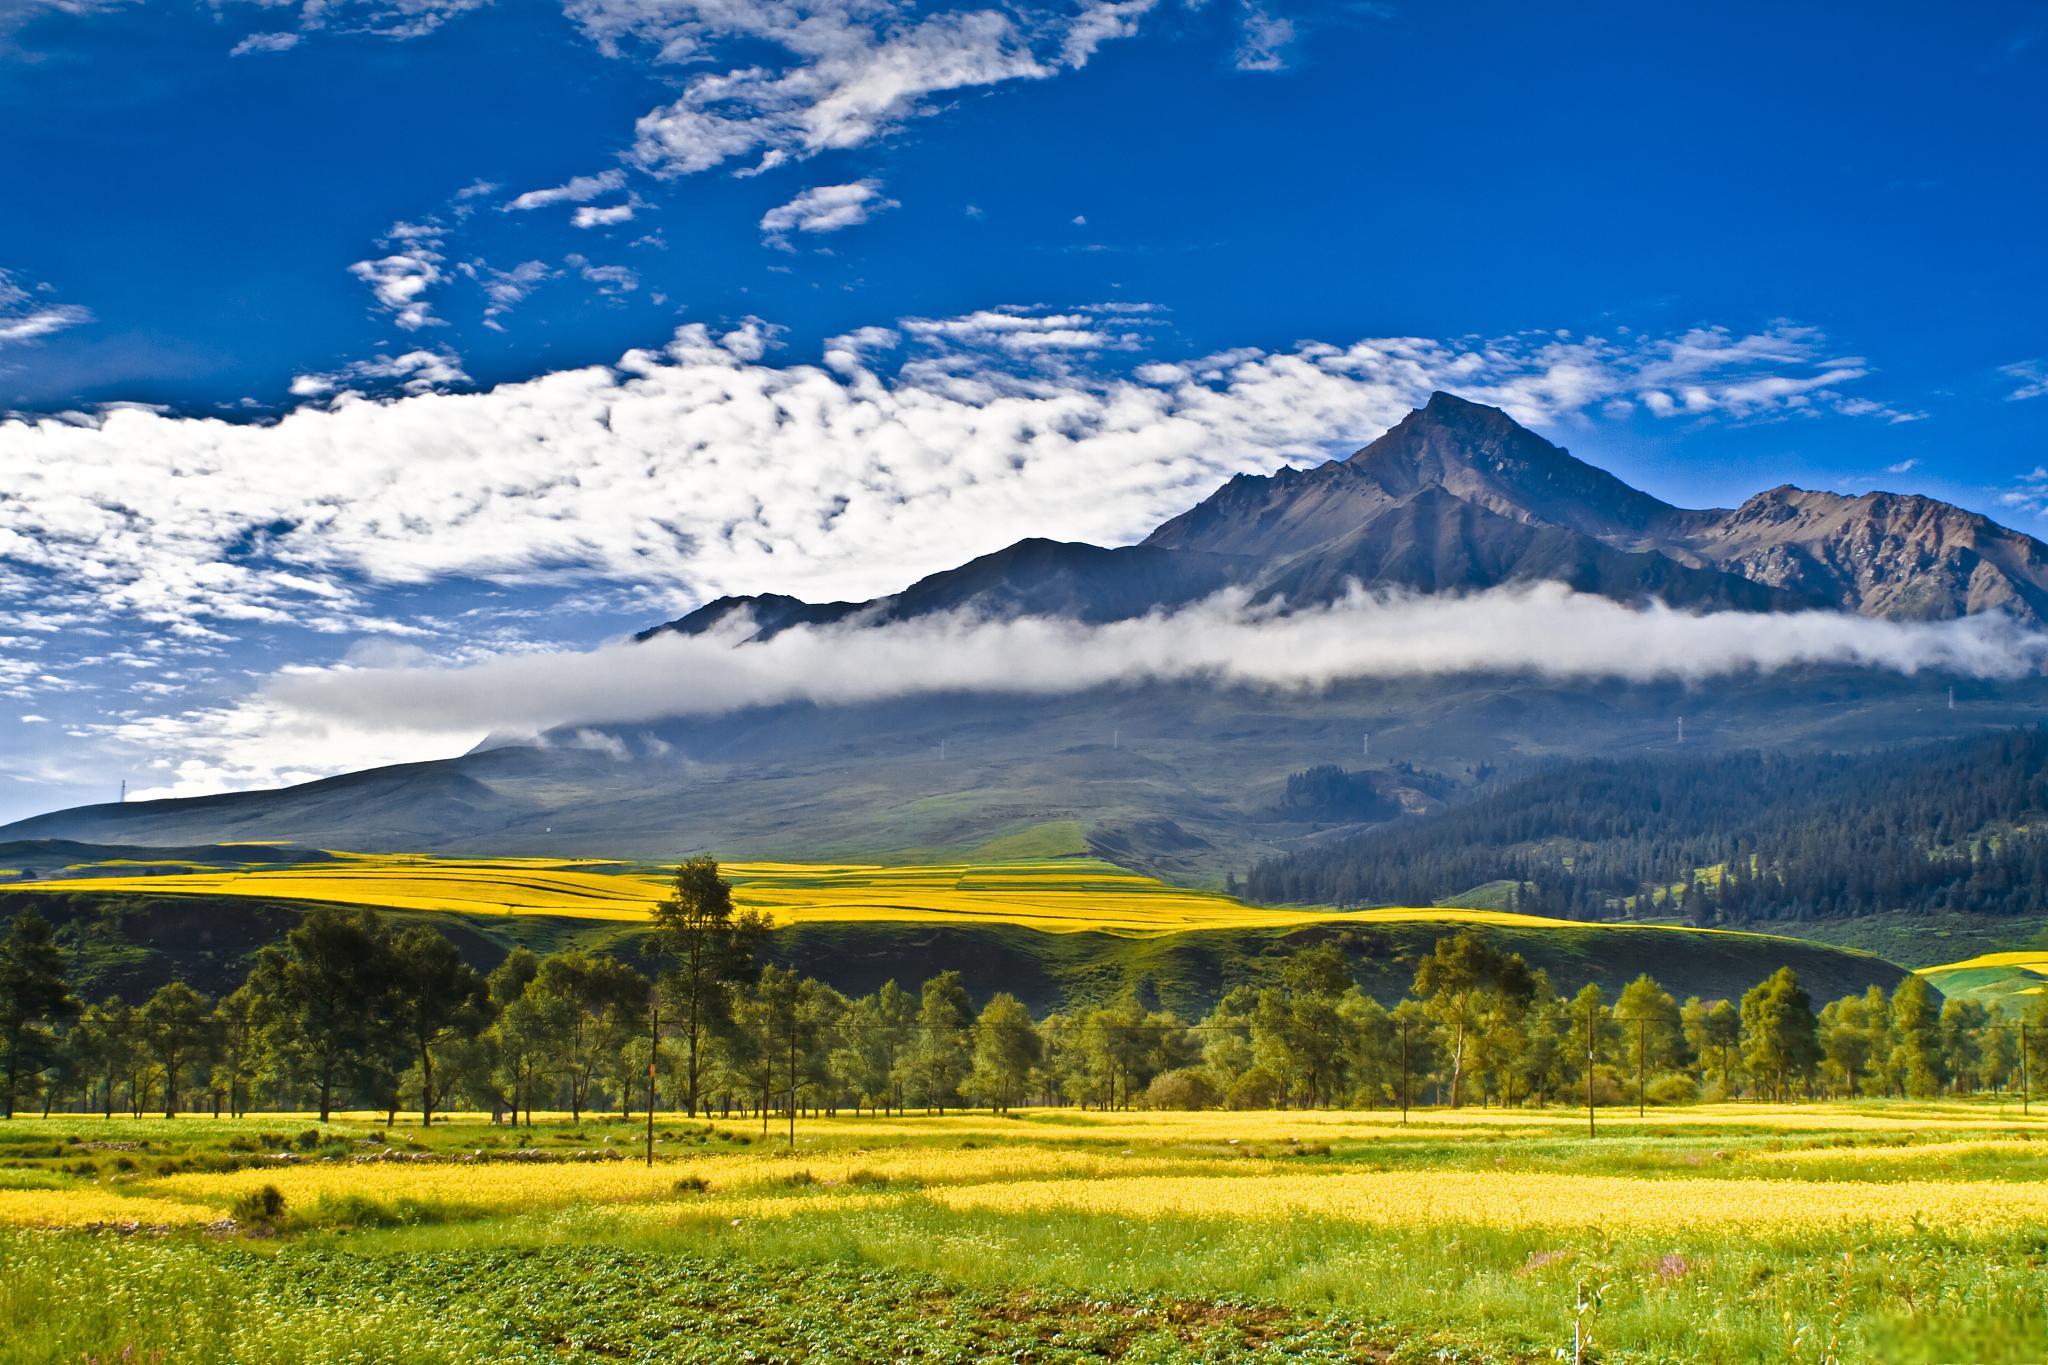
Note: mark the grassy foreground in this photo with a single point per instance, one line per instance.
(1873, 1231)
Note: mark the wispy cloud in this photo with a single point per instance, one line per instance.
(264, 42)
(28, 314)
(1263, 39)
(849, 71)
(2032, 376)
(577, 190)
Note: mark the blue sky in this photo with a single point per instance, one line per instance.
(468, 329)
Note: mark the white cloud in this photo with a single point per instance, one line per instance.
(401, 279)
(605, 215)
(702, 468)
(420, 371)
(825, 208)
(26, 313)
(611, 280)
(1024, 331)
(578, 190)
(1263, 40)
(264, 42)
(506, 289)
(1902, 467)
(852, 71)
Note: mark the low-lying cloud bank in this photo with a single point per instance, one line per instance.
(1545, 630)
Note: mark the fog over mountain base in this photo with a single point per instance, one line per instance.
(1545, 631)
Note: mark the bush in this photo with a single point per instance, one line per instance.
(258, 1210)
(867, 1180)
(1256, 1089)
(692, 1184)
(1185, 1088)
(309, 1139)
(1673, 1087)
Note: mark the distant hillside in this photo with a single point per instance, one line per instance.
(129, 943)
(1734, 838)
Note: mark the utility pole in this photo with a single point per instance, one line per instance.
(1641, 1050)
(1404, 1073)
(124, 791)
(653, 1047)
(792, 1066)
(1589, 1073)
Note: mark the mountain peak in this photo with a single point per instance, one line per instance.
(1486, 457)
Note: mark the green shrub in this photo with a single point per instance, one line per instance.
(1256, 1089)
(1673, 1087)
(1185, 1088)
(258, 1210)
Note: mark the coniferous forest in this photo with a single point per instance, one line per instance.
(1725, 838)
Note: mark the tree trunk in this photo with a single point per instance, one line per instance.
(426, 1087)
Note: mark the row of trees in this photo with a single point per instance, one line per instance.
(346, 1012)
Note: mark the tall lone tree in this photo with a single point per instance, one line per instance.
(712, 947)
(33, 998)
(1457, 980)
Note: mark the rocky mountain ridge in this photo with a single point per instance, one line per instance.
(1458, 497)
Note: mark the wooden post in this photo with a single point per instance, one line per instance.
(792, 1066)
(1589, 1073)
(1641, 1052)
(1404, 1073)
(653, 1047)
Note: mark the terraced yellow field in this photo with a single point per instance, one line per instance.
(1054, 895)
(1993, 977)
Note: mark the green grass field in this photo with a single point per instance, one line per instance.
(1736, 1232)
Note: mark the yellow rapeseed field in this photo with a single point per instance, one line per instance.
(1058, 895)
(517, 1186)
(86, 1207)
(1524, 1199)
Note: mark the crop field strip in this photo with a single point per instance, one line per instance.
(1964, 1168)
(1824, 1232)
(1049, 895)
